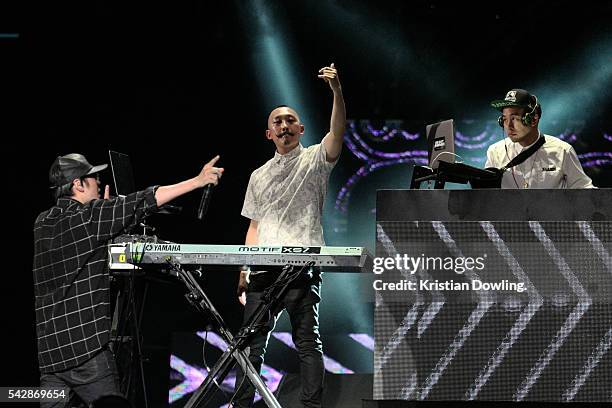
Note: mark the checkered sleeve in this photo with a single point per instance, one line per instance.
(108, 218)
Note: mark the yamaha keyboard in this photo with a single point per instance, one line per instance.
(132, 255)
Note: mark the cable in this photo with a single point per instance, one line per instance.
(512, 168)
(441, 153)
(206, 364)
(237, 389)
(286, 281)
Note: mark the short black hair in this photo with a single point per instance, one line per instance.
(66, 189)
(63, 191)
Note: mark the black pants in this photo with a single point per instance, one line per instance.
(91, 380)
(302, 304)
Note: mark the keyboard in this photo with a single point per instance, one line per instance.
(130, 255)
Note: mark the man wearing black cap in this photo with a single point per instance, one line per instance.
(529, 158)
(71, 281)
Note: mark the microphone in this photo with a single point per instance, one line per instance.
(205, 200)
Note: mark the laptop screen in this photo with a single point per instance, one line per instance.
(123, 176)
(440, 142)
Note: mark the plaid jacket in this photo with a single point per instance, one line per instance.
(71, 280)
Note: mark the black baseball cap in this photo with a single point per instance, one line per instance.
(516, 97)
(69, 167)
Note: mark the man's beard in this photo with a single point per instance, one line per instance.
(285, 140)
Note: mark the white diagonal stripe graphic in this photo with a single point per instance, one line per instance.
(604, 345)
(456, 252)
(584, 302)
(409, 389)
(437, 302)
(364, 339)
(193, 378)
(381, 358)
(596, 243)
(592, 361)
(329, 363)
(535, 302)
(484, 303)
(432, 310)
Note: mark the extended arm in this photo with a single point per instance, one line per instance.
(208, 175)
(333, 140)
(110, 217)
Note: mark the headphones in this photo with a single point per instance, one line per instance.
(527, 118)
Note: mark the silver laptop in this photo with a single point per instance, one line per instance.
(440, 142)
(123, 175)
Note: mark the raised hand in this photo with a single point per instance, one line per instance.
(330, 75)
(211, 174)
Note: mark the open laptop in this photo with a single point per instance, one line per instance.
(123, 176)
(440, 142)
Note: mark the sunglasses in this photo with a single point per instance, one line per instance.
(93, 176)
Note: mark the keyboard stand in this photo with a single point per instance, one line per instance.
(125, 337)
(236, 345)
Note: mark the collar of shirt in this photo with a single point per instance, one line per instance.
(65, 202)
(518, 148)
(283, 158)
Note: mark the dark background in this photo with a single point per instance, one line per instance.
(174, 83)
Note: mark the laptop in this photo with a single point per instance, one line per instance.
(440, 142)
(123, 179)
(123, 176)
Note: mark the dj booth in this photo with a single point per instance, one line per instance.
(494, 295)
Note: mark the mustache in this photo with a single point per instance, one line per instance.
(286, 132)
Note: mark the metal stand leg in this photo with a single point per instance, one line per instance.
(220, 370)
(235, 352)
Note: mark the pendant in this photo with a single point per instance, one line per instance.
(526, 184)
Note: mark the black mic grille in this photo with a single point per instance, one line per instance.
(205, 200)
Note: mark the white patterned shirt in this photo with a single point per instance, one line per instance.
(286, 196)
(554, 165)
